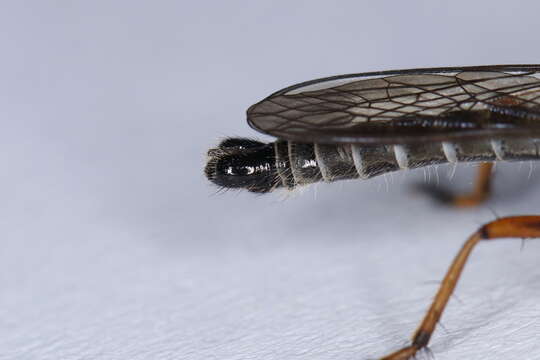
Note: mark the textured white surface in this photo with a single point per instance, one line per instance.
(114, 246)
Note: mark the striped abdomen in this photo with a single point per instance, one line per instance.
(300, 164)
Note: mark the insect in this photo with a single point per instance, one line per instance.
(367, 124)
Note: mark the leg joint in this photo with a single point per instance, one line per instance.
(483, 231)
(421, 339)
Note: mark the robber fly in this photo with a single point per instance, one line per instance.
(364, 125)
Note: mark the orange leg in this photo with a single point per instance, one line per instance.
(479, 194)
(508, 227)
(481, 189)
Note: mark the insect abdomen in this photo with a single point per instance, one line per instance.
(301, 164)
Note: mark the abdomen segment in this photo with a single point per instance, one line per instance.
(301, 164)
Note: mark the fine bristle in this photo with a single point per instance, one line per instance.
(210, 168)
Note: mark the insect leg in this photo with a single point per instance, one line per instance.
(514, 227)
(481, 189)
(479, 194)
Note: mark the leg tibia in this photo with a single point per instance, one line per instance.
(508, 227)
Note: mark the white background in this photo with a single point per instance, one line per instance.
(114, 245)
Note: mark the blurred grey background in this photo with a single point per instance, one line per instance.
(114, 245)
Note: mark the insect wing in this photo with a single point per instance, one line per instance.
(400, 106)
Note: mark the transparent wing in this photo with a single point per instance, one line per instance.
(376, 107)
